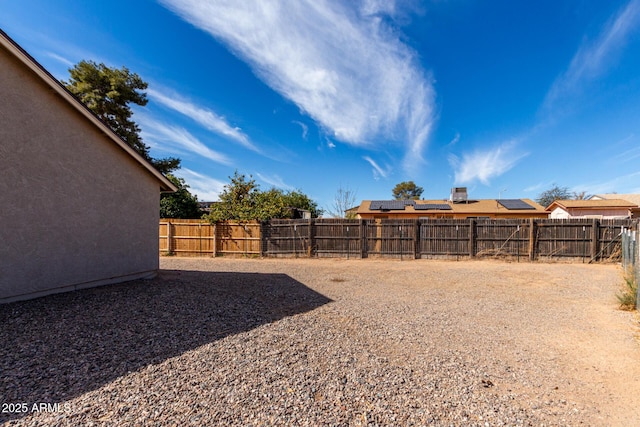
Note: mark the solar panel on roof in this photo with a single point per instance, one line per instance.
(393, 205)
(389, 205)
(515, 204)
(432, 206)
(375, 205)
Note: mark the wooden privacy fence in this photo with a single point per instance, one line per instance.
(587, 239)
(195, 237)
(283, 237)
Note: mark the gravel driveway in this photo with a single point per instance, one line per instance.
(257, 342)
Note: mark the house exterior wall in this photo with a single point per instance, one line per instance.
(76, 210)
(560, 213)
(601, 213)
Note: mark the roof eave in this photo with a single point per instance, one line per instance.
(8, 43)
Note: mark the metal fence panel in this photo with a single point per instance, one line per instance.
(631, 258)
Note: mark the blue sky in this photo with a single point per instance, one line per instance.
(504, 97)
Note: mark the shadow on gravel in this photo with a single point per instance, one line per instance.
(57, 347)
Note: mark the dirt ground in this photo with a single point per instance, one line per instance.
(330, 342)
(557, 323)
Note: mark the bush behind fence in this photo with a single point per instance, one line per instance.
(587, 239)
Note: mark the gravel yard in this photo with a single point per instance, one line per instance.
(258, 342)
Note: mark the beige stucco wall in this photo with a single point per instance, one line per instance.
(75, 209)
(559, 213)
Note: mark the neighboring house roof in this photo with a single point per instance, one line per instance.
(40, 71)
(592, 204)
(205, 206)
(470, 208)
(633, 198)
(353, 210)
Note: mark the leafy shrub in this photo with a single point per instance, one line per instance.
(629, 292)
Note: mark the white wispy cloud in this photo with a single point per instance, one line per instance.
(483, 165)
(305, 128)
(538, 187)
(378, 7)
(621, 184)
(206, 118)
(626, 156)
(625, 149)
(176, 139)
(205, 187)
(455, 140)
(378, 171)
(64, 54)
(60, 58)
(329, 143)
(274, 181)
(340, 63)
(594, 58)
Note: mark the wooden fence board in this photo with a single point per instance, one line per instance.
(194, 237)
(337, 237)
(444, 237)
(290, 237)
(238, 238)
(502, 237)
(390, 237)
(610, 239)
(565, 238)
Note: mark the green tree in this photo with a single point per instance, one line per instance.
(298, 200)
(407, 190)
(242, 200)
(554, 193)
(270, 204)
(237, 201)
(181, 204)
(108, 92)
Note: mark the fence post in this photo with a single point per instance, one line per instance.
(215, 239)
(263, 238)
(623, 247)
(532, 239)
(363, 239)
(416, 246)
(311, 238)
(169, 237)
(632, 252)
(595, 237)
(472, 237)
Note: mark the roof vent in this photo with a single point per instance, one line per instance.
(458, 194)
